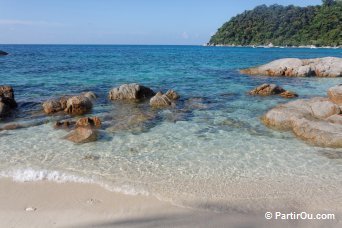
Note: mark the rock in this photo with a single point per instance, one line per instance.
(195, 103)
(335, 94)
(7, 101)
(7, 95)
(65, 124)
(92, 96)
(131, 92)
(5, 109)
(337, 118)
(316, 120)
(82, 135)
(160, 100)
(320, 133)
(272, 89)
(89, 122)
(52, 106)
(293, 67)
(78, 105)
(172, 95)
(267, 90)
(3, 53)
(288, 94)
(324, 108)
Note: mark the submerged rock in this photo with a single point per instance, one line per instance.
(131, 92)
(272, 89)
(66, 124)
(3, 53)
(172, 95)
(164, 100)
(317, 120)
(160, 100)
(82, 135)
(293, 67)
(90, 122)
(7, 101)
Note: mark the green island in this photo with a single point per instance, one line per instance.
(278, 25)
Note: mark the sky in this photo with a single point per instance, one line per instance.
(179, 22)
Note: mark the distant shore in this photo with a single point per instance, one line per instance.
(271, 46)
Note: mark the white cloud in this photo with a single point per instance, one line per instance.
(28, 22)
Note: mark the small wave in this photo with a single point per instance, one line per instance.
(31, 175)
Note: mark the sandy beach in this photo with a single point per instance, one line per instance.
(48, 204)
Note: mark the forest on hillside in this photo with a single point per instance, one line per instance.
(284, 26)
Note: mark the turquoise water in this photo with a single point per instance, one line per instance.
(216, 155)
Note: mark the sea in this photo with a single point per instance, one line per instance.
(210, 152)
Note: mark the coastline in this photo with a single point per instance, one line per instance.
(49, 204)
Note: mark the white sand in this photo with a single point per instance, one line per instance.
(46, 204)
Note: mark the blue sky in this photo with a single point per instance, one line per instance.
(120, 21)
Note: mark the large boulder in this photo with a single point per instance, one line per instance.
(293, 67)
(55, 105)
(52, 106)
(74, 105)
(272, 89)
(131, 92)
(320, 133)
(335, 94)
(82, 135)
(317, 120)
(7, 101)
(78, 105)
(3, 53)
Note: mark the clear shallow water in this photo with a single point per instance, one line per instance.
(216, 157)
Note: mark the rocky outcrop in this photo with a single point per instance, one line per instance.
(78, 105)
(293, 67)
(131, 92)
(317, 120)
(3, 53)
(335, 94)
(164, 100)
(74, 105)
(82, 135)
(7, 101)
(272, 89)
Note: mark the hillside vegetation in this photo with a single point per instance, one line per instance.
(284, 25)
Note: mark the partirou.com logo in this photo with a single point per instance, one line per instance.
(299, 216)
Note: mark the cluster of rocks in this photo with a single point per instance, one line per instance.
(293, 67)
(272, 89)
(7, 101)
(317, 120)
(75, 105)
(136, 92)
(84, 130)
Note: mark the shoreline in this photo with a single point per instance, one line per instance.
(50, 204)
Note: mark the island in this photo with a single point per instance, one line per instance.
(276, 25)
